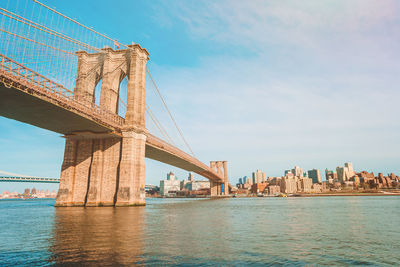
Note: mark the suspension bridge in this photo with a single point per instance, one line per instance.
(61, 75)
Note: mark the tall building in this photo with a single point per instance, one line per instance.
(258, 177)
(287, 172)
(350, 168)
(315, 175)
(297, 171)
(171, 176)
(191, 176)
(345, 173)
(330, 175)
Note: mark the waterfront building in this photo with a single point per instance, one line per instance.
(258, 177)
(192, 185)
(258, 187)
(274, 180)
(171, 185)
(315, 175)
(197, 185)
(306, 184)
(348, 184)
(366, 177)
(274, 190)
(288, 185)
(316, 188)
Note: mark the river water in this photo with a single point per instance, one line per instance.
(342, 231)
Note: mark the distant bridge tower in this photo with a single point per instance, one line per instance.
(217, 189)
(101, 169)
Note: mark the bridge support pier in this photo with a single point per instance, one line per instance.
(215, 189)
(131, 190)
(221, 167)
(75, 173)
(103, 172)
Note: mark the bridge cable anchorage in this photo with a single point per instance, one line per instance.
(169, 112)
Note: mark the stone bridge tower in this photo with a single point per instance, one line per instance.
(217, 189)
(99, 169)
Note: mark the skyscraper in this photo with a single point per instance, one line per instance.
(315, 175)
(258, 177)
(297, 171)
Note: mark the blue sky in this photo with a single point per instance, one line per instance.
(263, 84)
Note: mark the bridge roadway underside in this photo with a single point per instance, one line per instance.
(21, 106)
(18, 105)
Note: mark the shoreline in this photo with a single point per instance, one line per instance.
(345, 194)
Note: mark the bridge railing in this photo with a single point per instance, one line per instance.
(50, 89)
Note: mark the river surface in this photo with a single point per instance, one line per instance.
(342, 231)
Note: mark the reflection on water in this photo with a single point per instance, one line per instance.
(98, 235)
(258, 231)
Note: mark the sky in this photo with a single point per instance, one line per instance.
(262, 84)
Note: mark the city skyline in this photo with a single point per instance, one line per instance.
(310, 101)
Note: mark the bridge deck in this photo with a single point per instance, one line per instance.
(35, 110)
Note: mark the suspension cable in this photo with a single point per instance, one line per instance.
(58, 13)
(159, 125)
(169, 112)
(44, 29)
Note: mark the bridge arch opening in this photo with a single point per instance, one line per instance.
(97, 92)
(122, 94)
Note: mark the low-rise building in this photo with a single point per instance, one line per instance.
(258, 188)
(274, 190)
(306, 184)
(197, 185)
(316, 188)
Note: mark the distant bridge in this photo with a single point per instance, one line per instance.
(47, 180)
(29, 179)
